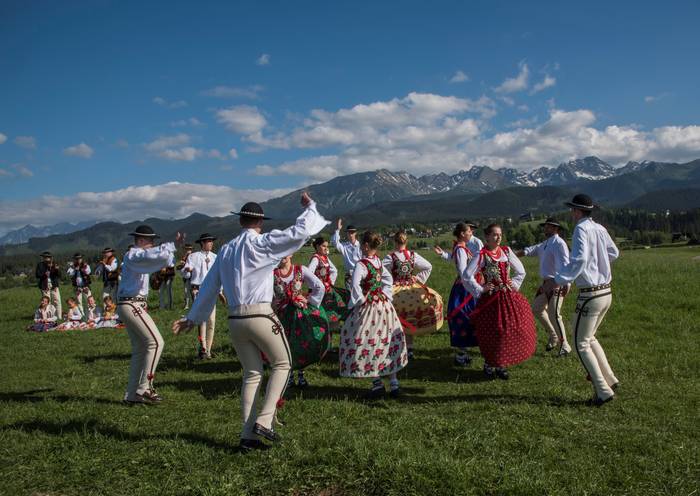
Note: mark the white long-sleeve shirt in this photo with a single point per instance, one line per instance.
(200, 262)
(351, 252)
(46, 314)
(313, 265)
(474, 244)
(357, 296)
(245, 264)
(553, 254)
(138, 264)
(592, 252)
(421, 268)
(314, 284)
(93, 314)
(478, 262)
(78, 272)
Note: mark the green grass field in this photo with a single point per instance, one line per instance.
(63, 429)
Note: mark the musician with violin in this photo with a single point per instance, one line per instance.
(48, 277)
(79, 272)
(186, 276)
(108, 269)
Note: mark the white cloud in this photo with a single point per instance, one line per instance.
(81, 150)
(3, 138)
(171, 105)
(517, 83)
(250, 92)
(264, 59)
(233, 153)
(170, 200)
(16, 170)
(547, 82)
(28, 142)
(459, 77)
(214, 153)
(242, 119)
(655, 98)
(507, 100)
(6, 173)
(192, 122)
(174, 148)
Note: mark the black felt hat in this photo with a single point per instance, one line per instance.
(551, 221)
(581, 202)
(471, 224)
(77, 256)
(144, 231)
(108, 250)
(188, 246)
(46, 254)
(351, 228)
(252, 210)
(205, 237)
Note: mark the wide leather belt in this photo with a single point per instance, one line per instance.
(131, 298)
(595, 288)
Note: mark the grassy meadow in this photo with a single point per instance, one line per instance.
(64, 431)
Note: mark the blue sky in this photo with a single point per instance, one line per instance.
(104, 104)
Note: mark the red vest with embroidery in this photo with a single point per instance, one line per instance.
(402, 270)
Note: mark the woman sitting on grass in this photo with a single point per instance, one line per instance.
(45, 316)
(109, 314)
(74, 317)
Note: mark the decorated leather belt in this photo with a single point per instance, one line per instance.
(591, 289)
(131, 298)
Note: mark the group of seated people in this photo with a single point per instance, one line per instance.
(46, 317)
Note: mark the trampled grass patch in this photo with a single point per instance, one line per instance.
(63, 429)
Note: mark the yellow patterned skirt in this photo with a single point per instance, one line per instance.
(419, 308)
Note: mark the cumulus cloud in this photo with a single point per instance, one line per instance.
(81, 150)
(655, 98)
(176, 148)
(264, 59)
(250, 92)
(242, 119)
(16, 170)
(171, 105)
(233, 153)
(192, 121)
(547, 82)
(459, 77)
(170, 200)
(28, 142)
(3, 138)
(517, 83)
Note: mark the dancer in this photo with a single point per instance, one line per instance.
(335, 300)
(45, 316)
(419, 308)
(197, 266)
(79, 273)
(48, 277)
(503, 322)
(553, 254)
(186, 286)
(592, 252)
(349, 249)
(146, 342)
(304, 320)
(245, 266)
(461, 303)
(372, 342)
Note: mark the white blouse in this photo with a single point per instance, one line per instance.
(357, 296)
(477, 263)
(421, 269)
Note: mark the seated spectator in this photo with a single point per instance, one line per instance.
(109, 314)
(74, 317)
(45, 316)
(93, 315)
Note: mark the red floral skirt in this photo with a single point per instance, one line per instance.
(505, 328)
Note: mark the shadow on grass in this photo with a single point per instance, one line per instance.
(210, 389)
(93, 426)
(34, 396)
(108, 356)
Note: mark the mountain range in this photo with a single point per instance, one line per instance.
(23, 234)
(383, 197)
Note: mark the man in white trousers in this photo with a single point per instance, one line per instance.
(349, 249)
(245, 268)
(146, 342)
(198, 265)
(592, 252)
(554, 255)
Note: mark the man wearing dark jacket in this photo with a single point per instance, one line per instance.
(48, 279)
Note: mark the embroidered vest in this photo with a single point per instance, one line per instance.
(495, 271)
(323, 271)
(402, 270)
(372, 283)
(286, 292)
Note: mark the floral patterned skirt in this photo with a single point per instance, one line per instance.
(335, 302)
(459, 306)
(42, 327)
(307, 333)
(372, 342)
(419, 308)
(505, 328)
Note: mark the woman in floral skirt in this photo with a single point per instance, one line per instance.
(372, 342)
(419, 307)
(503, 320)
(304, 320)
(335, 300)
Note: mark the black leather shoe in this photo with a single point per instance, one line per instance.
(395, 393)
(248, 445)
(489, 372)
(375, 393)
(549, 347)
(615, 386)
(268, 434)
(597, 402)
(502, 373)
